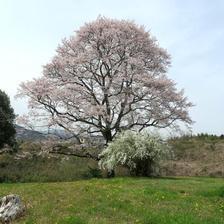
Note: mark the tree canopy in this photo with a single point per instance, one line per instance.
(7, 116)
(109, 76)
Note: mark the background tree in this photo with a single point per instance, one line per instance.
(7, 116)
(110, 76)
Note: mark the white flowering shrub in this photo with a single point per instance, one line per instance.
(140, 152)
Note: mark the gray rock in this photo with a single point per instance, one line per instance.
(11, 208)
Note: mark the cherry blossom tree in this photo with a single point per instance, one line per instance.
(111, 75)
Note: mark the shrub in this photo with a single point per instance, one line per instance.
(93, 172)
(139, 152)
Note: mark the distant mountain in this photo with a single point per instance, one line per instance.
(60, 133)
(56, 134)
(25, 134)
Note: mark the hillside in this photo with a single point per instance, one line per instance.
(122, 200)
(196, 156)
(191, 157)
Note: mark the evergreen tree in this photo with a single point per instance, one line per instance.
(7, 116)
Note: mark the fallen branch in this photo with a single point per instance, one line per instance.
(58, 149)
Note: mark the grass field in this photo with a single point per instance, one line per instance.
(123, 200)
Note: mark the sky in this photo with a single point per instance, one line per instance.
(191, 31)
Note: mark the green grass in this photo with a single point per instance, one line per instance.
(123, 200)
(43, 169)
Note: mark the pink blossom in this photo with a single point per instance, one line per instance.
(110, 75)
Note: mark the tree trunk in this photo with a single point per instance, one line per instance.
(108, 137)
(110, 173)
